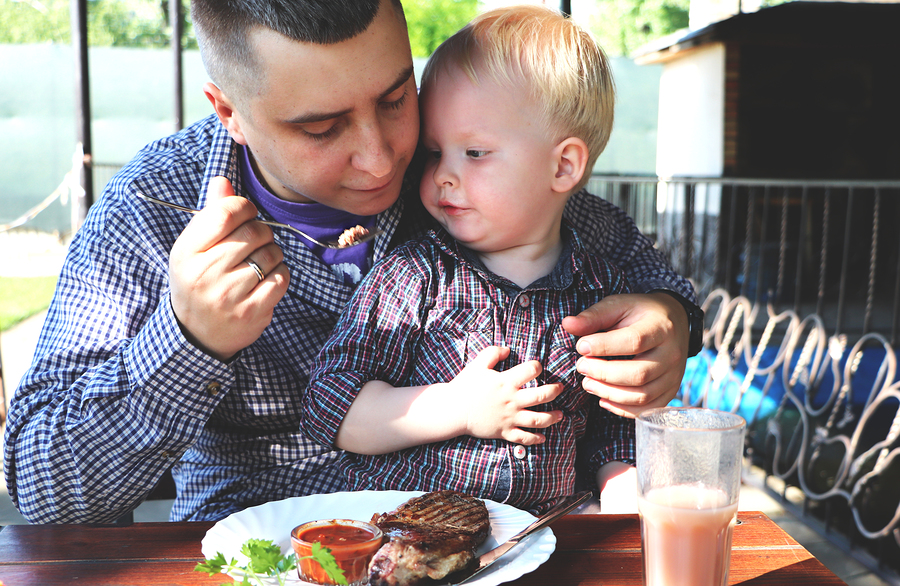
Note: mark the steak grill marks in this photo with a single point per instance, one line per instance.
(445, 509)
(431, 536)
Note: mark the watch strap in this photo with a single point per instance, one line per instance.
(695, 320)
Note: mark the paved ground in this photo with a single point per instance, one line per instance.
(17, 346)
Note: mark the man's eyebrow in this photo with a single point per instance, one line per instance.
(401, 79)
(322, 116)
(317, 117)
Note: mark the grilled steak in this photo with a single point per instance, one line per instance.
(431, 536)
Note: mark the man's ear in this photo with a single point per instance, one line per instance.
(226, 112)
(569, 161)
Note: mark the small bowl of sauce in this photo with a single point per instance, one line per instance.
(352, 543)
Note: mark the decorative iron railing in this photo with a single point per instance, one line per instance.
(826, 247)
(800, 282)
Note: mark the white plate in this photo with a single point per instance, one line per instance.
(275, 521)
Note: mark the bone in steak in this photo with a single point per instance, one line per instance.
(431, 536)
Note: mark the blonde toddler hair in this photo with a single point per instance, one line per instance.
(563, 67)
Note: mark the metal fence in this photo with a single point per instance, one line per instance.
(800, 282)
(829, 248)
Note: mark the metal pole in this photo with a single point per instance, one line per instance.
(845, 265)
(78, 16)
(2, 396)
(177, 34)
(565, 6)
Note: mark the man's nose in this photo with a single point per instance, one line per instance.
(375, 154)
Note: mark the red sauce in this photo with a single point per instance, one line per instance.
(331, 535)
(351, 546)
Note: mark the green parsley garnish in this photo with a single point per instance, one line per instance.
(265, 560)
(322, 555)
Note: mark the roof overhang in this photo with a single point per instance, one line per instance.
(792, 23)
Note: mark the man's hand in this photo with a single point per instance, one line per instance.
(220, 301)
(651, 328)
(496, 406)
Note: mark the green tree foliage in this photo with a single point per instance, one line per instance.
(116, 23)
(34, 21)
(145, 23)
(431, 22)
(622, 26)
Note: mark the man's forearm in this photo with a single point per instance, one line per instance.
(90, 431)
(92, 469)
(609, 232)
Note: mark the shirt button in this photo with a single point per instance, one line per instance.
(213, 388)
(524, 300)
(519, 452)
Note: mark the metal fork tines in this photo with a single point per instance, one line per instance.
(330, 244)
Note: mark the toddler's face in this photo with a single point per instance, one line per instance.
(489, 164)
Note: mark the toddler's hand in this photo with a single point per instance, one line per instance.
(495, 404)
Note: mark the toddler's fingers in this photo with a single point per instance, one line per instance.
(532, 396)
(536, 419)
(522, 374)
(523, 438)
(489, 357)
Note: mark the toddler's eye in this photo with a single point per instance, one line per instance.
(475, 153)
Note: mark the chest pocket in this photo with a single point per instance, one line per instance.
(451, 339)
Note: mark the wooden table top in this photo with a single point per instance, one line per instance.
(591, 550)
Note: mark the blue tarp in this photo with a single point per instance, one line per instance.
(722, 394)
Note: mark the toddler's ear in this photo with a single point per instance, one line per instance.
(570, 161)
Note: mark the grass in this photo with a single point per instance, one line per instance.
(22, 297)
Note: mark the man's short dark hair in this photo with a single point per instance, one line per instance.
(223, 29)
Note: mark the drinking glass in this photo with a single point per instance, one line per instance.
(689, 477)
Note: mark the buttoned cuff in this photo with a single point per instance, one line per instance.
(161, 360)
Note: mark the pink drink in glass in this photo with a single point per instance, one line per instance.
(686, 534)
(689, 476)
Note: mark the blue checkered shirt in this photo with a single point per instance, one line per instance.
(116, 395)
(419, 317)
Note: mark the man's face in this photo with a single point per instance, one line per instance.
(336, 124)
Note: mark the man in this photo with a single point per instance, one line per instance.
(185, 343)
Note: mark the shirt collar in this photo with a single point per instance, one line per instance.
(563, 275)
(222, 161)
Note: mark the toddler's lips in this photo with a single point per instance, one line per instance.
(451, 209)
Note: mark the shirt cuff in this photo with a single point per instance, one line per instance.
(161, 360)
(654, 284)
(325, 404)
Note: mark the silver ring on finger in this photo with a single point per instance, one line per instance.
(259, 272)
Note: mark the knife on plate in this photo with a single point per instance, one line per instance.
(564, 507)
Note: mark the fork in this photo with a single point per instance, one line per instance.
(330, 244)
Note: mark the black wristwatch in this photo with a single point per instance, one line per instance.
(695, 321)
